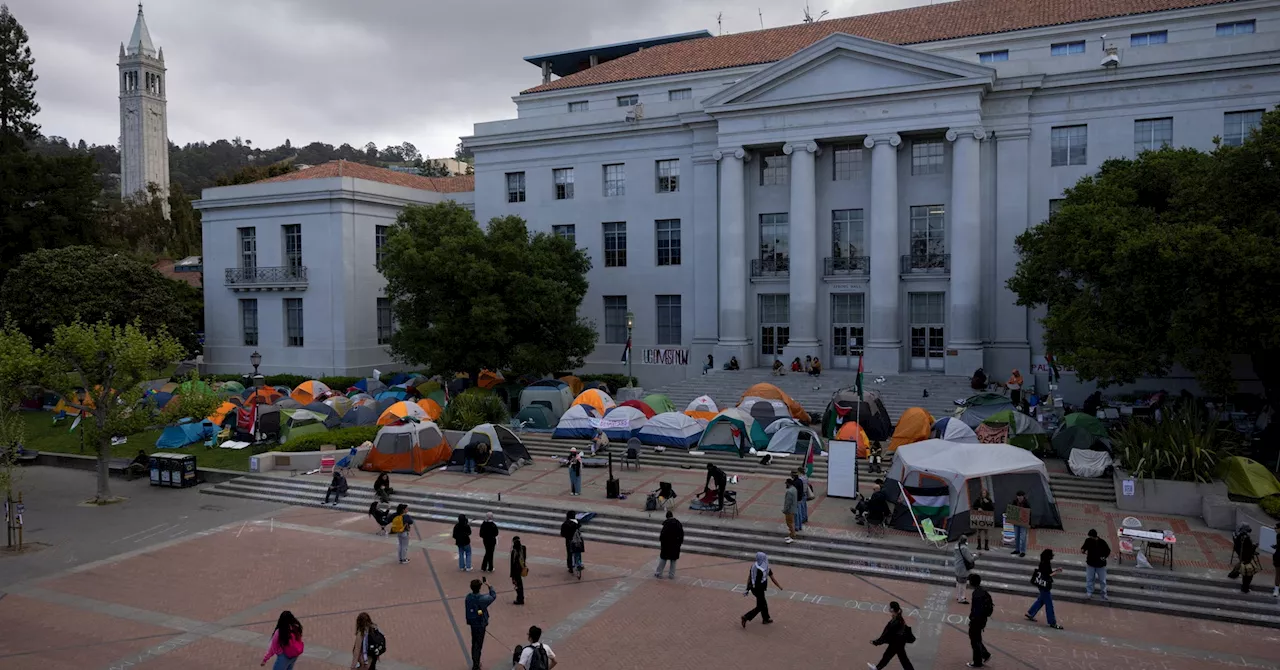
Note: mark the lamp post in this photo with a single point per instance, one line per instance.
(256, 359)
(631, 322)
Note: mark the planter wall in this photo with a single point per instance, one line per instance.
(1162, 496)
(302, 461)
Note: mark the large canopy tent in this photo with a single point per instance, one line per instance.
(764, 410)
(410, 448)
(671, 429)
(577, 423)
(937, 480)
(718, 435)
(702, 407)
(1014, 428)
(869, 411)
(771, 392)
(660, 403)
(952, 429)
(499, 449)
(597, 399)
(309, 391)
(1247, 478)
(622, 422)
(552, 394)
(976, 408)
(788, 436)
(913, 426)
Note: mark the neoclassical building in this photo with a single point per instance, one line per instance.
(855, 186)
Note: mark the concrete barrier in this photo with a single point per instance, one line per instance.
(301, 461)
(1219, 512)
(85, 462)
(1163, 496)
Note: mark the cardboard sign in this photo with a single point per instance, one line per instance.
(1126, 487)
(982, 520)
(1018, 516)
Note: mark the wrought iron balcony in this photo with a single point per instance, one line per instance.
(287, 278)
(771, 267)
(926, 263)
(846, 265)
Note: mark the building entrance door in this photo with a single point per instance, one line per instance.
(775, 326)
(928, 330)
(847, 319)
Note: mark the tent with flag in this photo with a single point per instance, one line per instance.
(869, 411)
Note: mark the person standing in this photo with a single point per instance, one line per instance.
(1248, 565)
(670, 539)
(567, 531)
(802, 499)
(477, 605)
(757, 585)
(400, 525)
(519, 568)
(979, 612)
(897, 635)
(1015, 389)
(368, 645)
(286, 642)
(984, 504)
(536, 656)
(789, 511)
(1020, 532)
(1096, 551)
(462, 539)
(964, 562)
(575, 472)
(1042, 577)
(489, 536)
(1275, 564)
(721, 480)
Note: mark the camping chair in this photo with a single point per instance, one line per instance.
(931, 534)
(633, 453)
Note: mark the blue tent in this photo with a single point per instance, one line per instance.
(399, 378)
(187, 431)
(159, 399)
(397, 394)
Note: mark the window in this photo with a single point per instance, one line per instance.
(669, 176)
(615, 245)
(1146, 39)
(615, 180)
(563, 178)
(1066, 48)
(846, 163)
(668, 236)
(926, 157)
(679, 94)
(1237, 28)
(628, 100)
(384, 321)
(249, 321)
(993, 56)
(773, 168)
(292, 246)
(380, 243)
(566, 231)
(775, 238)
(1068, 145)
(928, 234)
(293, 322)
(668, 319)
(615, 319)
(1238, 125)
(1152, 134)
(927, 308)
(515, 187)
(579, 106)
(846, 233)
(248, 248)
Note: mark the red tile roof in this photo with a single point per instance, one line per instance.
(931, 23)
(341, 168)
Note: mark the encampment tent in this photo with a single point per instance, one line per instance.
(771, 392)
(360, 415)
(597, 399)
(340, 404)
(977, 408)
(576, 423)
(1014, 428)
(331, 418)
(295, 423)
(411, 448)
(1247, 478)
(622, 422)
(702, 407)
(497, 449)
(671, 429)
(186, 431)
(788, 436)
(765, 410)
(640, 405)
(851, 431)
(575, 384)
(913, 426)
(552, 394)
(402, 411)
(489, 379)
(951, 429)
(432, 408)
(660, 403)
(869, 411)
(1069, 438)
(264, 395)
(537, 417)
(719, 434)
(309, 391)
(1088, 422)
(936, 480)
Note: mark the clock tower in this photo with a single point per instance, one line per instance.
(144, 127)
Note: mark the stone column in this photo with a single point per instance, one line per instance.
(884, 346)
(733, 257)
(964, 342)
(1010, 344)
(804, 272)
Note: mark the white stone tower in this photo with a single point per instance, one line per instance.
(144, 126)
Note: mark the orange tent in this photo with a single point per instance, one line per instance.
(219, 415)
(851, 431)
(309, 392)
(410, 448)
(400, 412)
(575, 384)
(432, 408)
(913, 426)
(595, 398)
(771, 392)
(489, 379)
(264, 395)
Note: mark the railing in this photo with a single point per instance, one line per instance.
(770, 267)
(846, 265)
(273, 276)
(914, 263)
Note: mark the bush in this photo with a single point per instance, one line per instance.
(339, 384)
(342, 438)
(1184, 447)
(613, 381)
(1271, 505)
(473, 407)
(291, 381)
(428, 388)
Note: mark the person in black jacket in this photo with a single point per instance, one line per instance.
(382, 487)
(337, 488)
(1095, 550)
(670, 539)
(462, 538)
(981, 610)
(488, 535)
(566, 531)
(1042, 577)
(721, 480)
(1248, 565)
(984, 504)
(519, 566)
(895, 635)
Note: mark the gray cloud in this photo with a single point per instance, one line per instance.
(339, 71)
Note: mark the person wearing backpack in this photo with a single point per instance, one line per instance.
(370, 644)
(519, 568)
(401, 522)
(567, 530)
(897, 634)
(489, 536)
(1042, 577)
(536, 656)
(979, 612)
(477, 605)
(462, 538)
(964, 560)
(286, 642)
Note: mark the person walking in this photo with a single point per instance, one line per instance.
(575, 472)
(757, 585)
(1095, 550)
(1042, 577)
(670, 539)
(979, 612)
(1020, 532)
(576, 547)
(286, 642)
(369, 644)
(1015, 389)
(984, 504)
(462, 539)
(964, 561)
(720, 479)
(519, 568)
(897, 635)
(477, 605)
(789, 498)
(400, 525)
(489, 536)
(567, 531)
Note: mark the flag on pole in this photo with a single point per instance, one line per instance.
(75, 423)
(928, 501)
(626, 351)
(859, 377)
(808, 460)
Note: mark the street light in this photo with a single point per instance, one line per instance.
(256, 359)
(631, 322)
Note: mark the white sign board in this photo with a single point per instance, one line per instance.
(842, 468)
(1126, 487)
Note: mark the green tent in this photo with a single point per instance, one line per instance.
(1247, 478)
(1090, 423)
(536, 416)
(233, 388)
(298, 422)
(196, 386)
(659, 403)
(718, 435)
(438, 396)
(1078, 437)
(1024, 431)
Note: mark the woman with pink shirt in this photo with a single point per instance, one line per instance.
(286, 642)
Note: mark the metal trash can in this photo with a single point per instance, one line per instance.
(183, 472)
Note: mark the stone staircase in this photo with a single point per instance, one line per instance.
(1201, 596)
(1070, 487)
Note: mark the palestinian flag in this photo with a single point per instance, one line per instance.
(929, 501)
(859, 377)
(808, 461)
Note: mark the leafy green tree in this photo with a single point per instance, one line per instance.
(1167, 259)
(194, 398)
(109, 362)
(252, 173)
(20, 367)
(17, 82)
(467, 299)
(430, 168)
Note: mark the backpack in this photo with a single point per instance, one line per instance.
(375, 642)
(576, 544)
(397, 523)
(908, 636)
(539, 659)
(651, 502)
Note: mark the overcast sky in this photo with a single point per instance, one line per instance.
(336, 71)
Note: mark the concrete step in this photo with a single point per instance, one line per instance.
(1155, 591)
(540, 447)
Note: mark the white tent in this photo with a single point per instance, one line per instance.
(671, 429)
(951, 429)
(575, 423)
(621, 423)
(784, 437)
(702, 403)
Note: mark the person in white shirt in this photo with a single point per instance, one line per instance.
(527, 654)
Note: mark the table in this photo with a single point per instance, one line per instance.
(1164, 538)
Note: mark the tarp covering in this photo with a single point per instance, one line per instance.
(576, 423)
(671, 429)
(719, 436)
(913, 426)
(1247, 478)
(496, 447)
(1088, 463)
(660, 403)
(952, 429)
(186, 432)
(411, 448)
(771, 392)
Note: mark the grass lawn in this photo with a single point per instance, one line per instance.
(43, 435)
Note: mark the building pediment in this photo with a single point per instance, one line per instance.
(845, 66)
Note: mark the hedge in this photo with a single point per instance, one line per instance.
(473, 407)
(342, 438)
(1271, 505)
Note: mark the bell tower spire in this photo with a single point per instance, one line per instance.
(144, 127)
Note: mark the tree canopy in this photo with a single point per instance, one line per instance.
(1166, 259)
(17, 81)
(467, 299)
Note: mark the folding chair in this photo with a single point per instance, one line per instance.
(932, 535)
(326, 464)
(633, 454)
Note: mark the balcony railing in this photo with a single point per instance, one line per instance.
(770, 267)
(918, 263)
(846, 265)
(288, 277)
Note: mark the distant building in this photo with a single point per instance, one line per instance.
(455, 166)
(189, 270)
(292, 262)
(144, 124)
